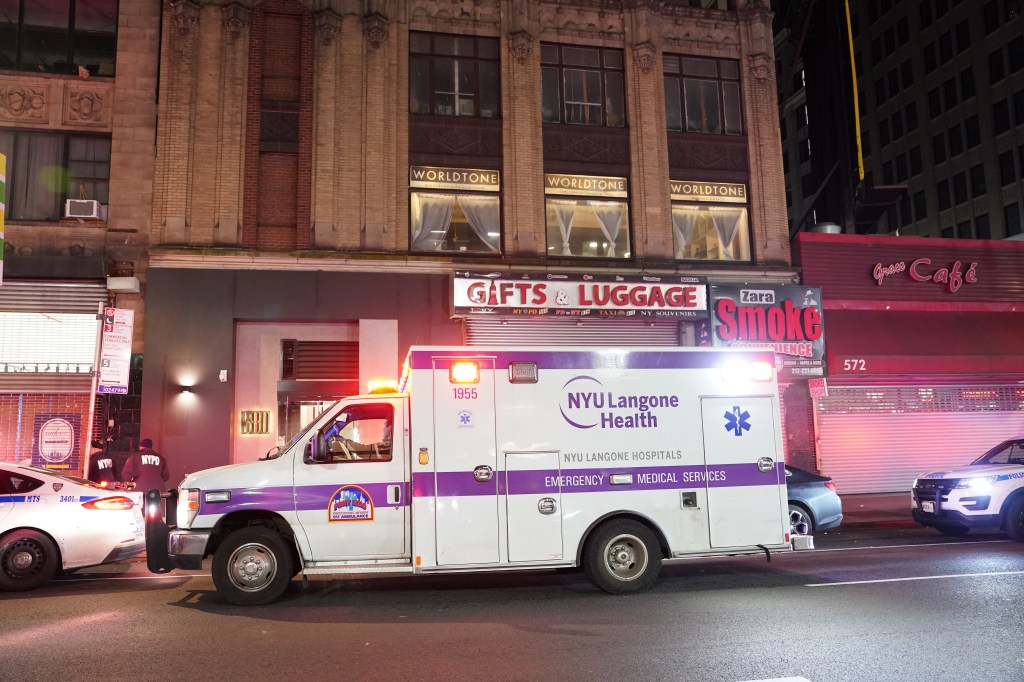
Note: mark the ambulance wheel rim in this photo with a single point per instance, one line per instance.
(626, 556)
(252, 567)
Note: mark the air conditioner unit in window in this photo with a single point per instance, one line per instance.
(85, 209)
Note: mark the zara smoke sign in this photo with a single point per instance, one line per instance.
(786, 319)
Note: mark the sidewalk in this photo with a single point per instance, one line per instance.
(876, 509)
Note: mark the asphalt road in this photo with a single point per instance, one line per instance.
(868, 604)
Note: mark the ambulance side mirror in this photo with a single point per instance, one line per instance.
(316, 449)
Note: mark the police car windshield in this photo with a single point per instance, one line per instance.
(1007, 452)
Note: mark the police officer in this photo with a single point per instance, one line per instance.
(101, 466)
(147, 468)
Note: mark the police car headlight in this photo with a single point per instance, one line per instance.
(980, 485)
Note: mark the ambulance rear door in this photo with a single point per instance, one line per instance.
(745, 482)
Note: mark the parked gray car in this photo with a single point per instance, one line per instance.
(813, 502)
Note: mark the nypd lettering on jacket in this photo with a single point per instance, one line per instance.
(585, 405)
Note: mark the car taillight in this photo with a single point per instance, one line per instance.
(117, 503)
(830, 485)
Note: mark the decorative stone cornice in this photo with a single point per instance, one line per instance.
(328, 25)
(184, 15)
(520, 46)
(375, 28)
(645, 56)
(760, 66)
(236, 19)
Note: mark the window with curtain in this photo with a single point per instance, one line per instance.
(444, 222)
(711, 232)
(59, 36)
(587, 227)
(44, 169)
(454, 75)
(703, 95)
(582, 85)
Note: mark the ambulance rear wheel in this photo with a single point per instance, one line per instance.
(622, 557)
(252, 566)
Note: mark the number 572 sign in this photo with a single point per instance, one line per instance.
(854, 365)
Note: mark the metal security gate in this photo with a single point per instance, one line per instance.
(568, 331)
(875, 439)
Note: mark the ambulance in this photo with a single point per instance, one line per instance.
(500, 459)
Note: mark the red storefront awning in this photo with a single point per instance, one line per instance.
(886, 342)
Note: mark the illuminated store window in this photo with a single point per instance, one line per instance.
(454, 210)
(587, 216)
(710, 221)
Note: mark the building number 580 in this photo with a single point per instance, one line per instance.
(464, 393)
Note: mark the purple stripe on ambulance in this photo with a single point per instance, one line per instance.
(459, 484)
(597, 359)
(304, 498)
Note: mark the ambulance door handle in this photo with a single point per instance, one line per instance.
(394, 494)
(483, 473)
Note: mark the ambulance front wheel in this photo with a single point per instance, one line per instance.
(622, 557)
(252, 566)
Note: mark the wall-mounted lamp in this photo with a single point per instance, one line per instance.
(185, 389)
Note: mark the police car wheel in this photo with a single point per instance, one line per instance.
(252, 566)
(622, 557)
(1015, 519)
(27, 560)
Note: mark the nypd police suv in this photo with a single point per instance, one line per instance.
(987, 494)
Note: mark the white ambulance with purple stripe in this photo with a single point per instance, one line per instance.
(502, 459)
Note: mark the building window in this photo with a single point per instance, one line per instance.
(949, 93)
(1016, 50)
(908, 73)
(454, 75)
(454, 210)
(924, 11)
(967, 83)
(1018, 107)
(883, 132)
(963, 36)
(956, 141)
(945, 47)
(910, 113)
(582, 85)
(887, 177)
(938, 148)
(45, 169)
(710, 221)
(991, 13)
(929, 58)
(1001, 116)
(960, 188)
(920, 206)
(1011, 219)
(704, 94)
(1007, 172)
(977, 181)
(59, 37)
(587, 216)
(915, 160)
(934, 103)
(981, 227)
(996, 66)
(897, 125)
(972, 130)
(943, 190)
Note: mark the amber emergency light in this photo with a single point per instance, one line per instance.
(464, 372)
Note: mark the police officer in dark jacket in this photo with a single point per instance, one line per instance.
(101, 466)
(147, 468)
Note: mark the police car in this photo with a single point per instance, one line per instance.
(52, 522)
(987, 494)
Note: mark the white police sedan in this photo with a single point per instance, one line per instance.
(52, 522)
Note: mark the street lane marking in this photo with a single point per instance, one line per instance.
(919, 577)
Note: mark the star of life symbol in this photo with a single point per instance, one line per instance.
(737, 421)
(465, 419)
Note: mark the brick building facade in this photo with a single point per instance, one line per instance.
(297, 252)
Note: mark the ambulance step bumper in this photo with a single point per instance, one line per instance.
(349, 568)
(802, 542)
